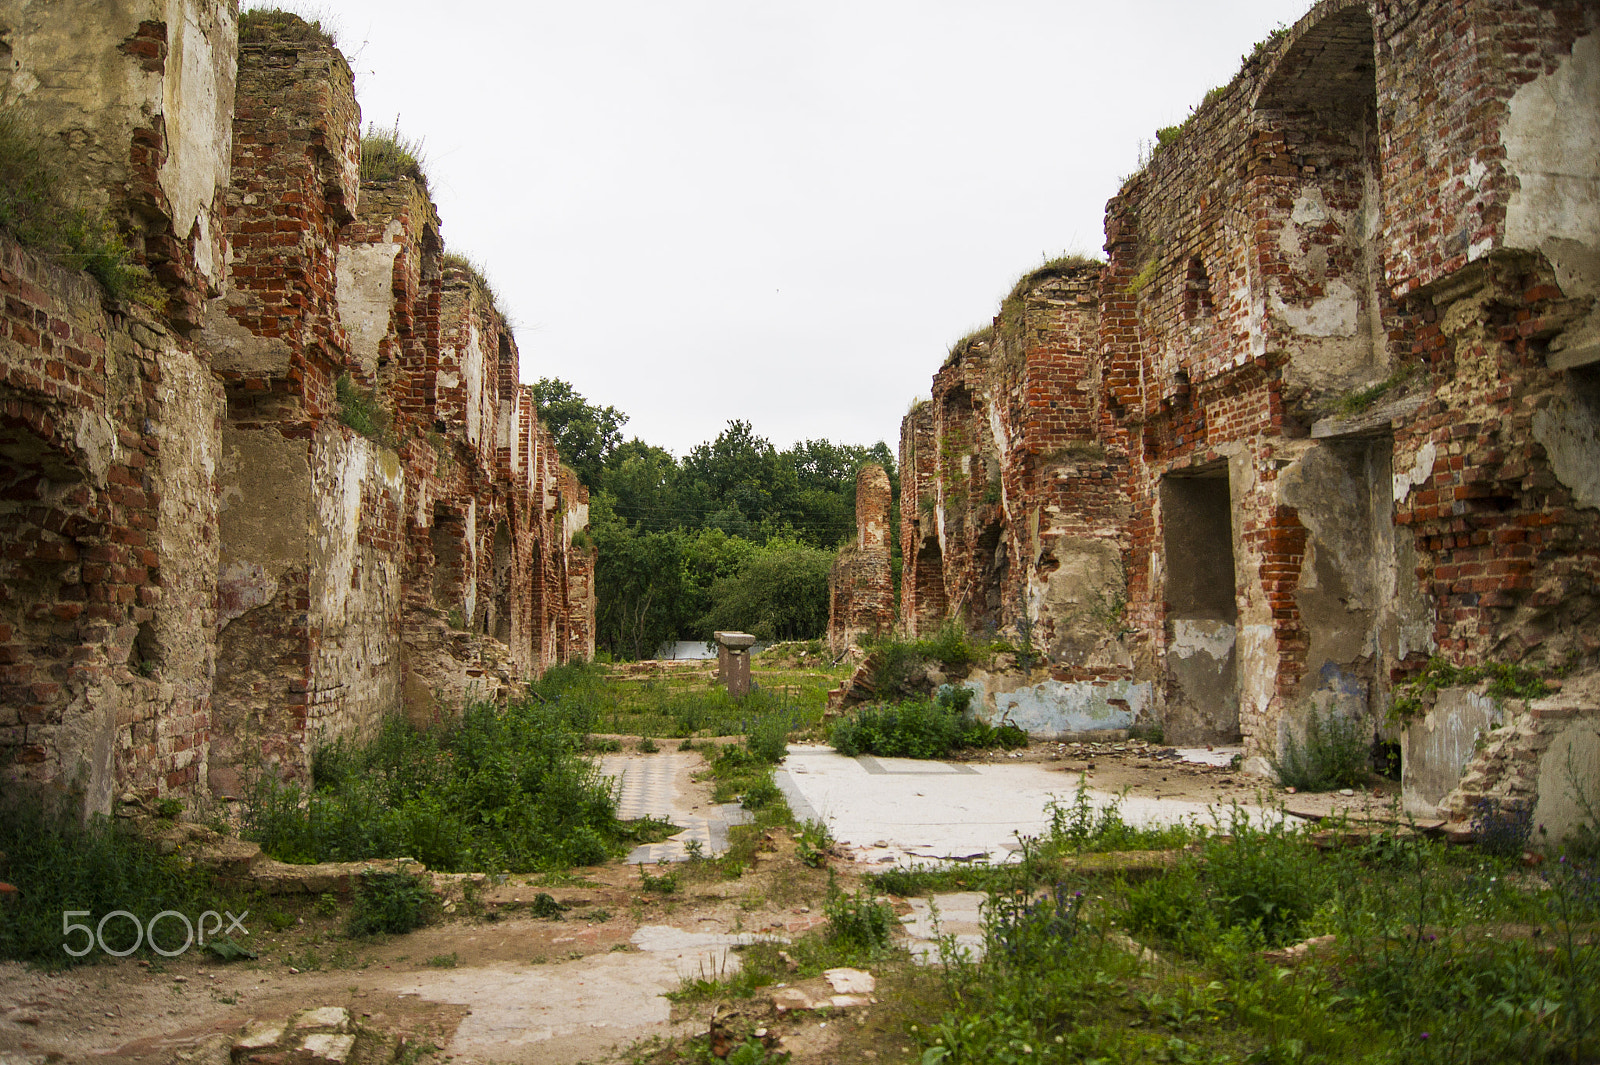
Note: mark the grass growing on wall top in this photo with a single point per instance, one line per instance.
(389, 155)
(267, 23)
(1011, 308)
(477, 274)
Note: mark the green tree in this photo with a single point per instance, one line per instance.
(738, 481)
(638, 584)
(585, 434)
(643, 482)
(779, 593)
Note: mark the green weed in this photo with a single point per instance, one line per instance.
(664, 882)
(360, 410)
(1335, 753)
(35, 210)
(268, 23)
(60, 864)
(389, 155)
(494, 789)
(393, 903)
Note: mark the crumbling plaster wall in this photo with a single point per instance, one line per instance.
(1348, 313)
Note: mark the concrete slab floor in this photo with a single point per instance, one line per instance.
(905, 811)
(656, 785)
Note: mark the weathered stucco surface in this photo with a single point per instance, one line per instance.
(1435, 751)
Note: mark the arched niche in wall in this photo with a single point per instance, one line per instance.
(1315, 183)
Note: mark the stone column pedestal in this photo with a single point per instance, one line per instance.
(733, 661)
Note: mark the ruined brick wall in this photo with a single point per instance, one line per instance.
(860, 586)
(922, 600)
(107, 541)
(1331, 403)
(203, 571)
(287, 606)
(108, 415)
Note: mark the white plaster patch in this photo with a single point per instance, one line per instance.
(470, 598)
(1212, 638)
(97, 437)
(1552, 143)
(197, 106)
(1570, 433)
(1310, 208)
(1334, 315)
(366, 296)
(1419, 473)
(472, 371)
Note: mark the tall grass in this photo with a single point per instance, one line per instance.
(389, 155)
(59, 864)
(496, 790)
(1431, 954)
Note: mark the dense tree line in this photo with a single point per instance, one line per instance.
(735, 535)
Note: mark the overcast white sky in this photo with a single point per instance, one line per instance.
(697, 210)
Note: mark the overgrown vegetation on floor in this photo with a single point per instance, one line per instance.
(60, 866)
(922, 728)
(511, 789)
(683, 702)
(1409, 951)
(495, 790)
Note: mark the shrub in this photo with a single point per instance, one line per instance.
(1265, 879)
(921, 728)
(898, 664)
(1335, 754)
(767, 737)
(394, 903)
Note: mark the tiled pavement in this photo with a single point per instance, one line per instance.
(648, 789)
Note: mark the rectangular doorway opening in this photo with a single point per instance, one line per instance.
(1202, 704)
